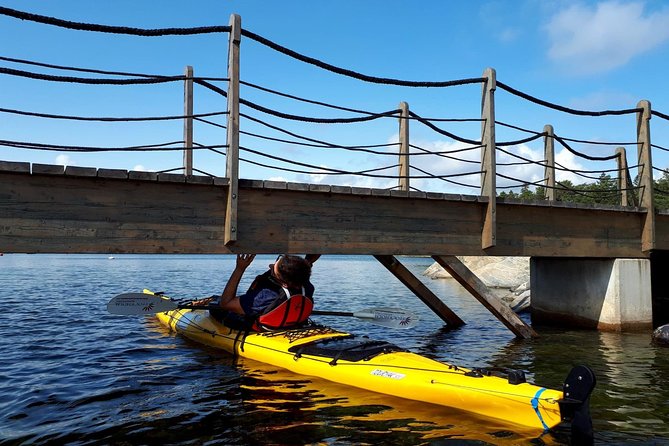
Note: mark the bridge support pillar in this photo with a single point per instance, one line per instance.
(606, 294)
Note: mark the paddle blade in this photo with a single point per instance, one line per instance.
(139, 303)
(389, 317)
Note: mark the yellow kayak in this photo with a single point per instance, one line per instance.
(382, 367)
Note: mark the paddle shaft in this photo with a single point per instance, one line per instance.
(332, 313)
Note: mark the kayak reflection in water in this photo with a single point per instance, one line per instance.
(281, 297)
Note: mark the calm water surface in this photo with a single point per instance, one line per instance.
(73, 374)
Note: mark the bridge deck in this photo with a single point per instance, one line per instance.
(52, 209)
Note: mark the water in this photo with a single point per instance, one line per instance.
(73, 374)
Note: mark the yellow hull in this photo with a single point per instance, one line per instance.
(401, 374)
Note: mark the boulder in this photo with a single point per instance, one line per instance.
(521, 303)
(661, 335)
(494, 272)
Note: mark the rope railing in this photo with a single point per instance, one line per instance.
(302, 140)
(108, 118)
(71, 148)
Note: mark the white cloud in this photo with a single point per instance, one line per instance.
(569, 161)
(140, 168)
(63, 160)
(590, 40)
(602, 100)
(508, 35)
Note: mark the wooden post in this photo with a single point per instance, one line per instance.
(420, 290)
(549, 156)
(488, 163)
(645, 176)
(622, 175)
(477, 288)
(188, 121)
(232, 154)
(404, 147)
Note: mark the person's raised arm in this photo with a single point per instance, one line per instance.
(229, 300)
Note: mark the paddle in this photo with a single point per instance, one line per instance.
(142, 303)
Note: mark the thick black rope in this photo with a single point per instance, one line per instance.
(282, 115)
(226, 29)
(572, 111)
(107, 119)
(543, 163)
(659, 114)
(320, 170)
(441, 131)
(520, 141)
(86, 80)
(112, 29)
(353, 74)
(366, 149)
(446, 153)
(583, 155)
(70, 148)
(95, 71)
(446, 178)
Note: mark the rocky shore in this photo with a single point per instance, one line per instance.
(507, 277)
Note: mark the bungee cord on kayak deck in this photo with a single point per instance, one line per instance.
(240, 338)
(507, 169)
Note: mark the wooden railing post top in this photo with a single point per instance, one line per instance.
(620, 151)
(549, 129)
(645, 104)
(404, 106)
(491, 78)
(236, 25)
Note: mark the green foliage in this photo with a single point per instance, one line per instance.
(662, 191)
(602, 191)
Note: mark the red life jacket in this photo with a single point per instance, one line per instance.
(292, 311)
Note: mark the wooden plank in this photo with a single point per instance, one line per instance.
(232, 153)
(480, 291)
(420, 290)
(11, 166)
(404, 164)
(488, 163)
(646, 176)
(188, 121)
(94, 214)
(549, 158)
(295, 220)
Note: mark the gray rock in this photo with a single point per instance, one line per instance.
(494, 272)
(521, 303)
(661, 335)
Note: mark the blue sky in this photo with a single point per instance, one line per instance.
(591, 55)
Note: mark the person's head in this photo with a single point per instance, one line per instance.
(293, 271)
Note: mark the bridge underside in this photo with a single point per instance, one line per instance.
(83, 210)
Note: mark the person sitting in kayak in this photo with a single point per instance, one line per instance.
(279, 298)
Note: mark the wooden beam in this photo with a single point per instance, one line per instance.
(404, 147)
(480, 291)
(549, 158)
(188, 121)
(488, 163)
(646, 176)
(232, 153)
(623, 179)
(420, 290)
(145, 212)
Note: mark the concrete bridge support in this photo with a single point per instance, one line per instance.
(607, 294)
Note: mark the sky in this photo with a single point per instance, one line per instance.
(588, 55)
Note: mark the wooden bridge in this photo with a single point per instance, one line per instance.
(57, 209)
(53, 209)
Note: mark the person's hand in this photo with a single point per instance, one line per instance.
(244, 260)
